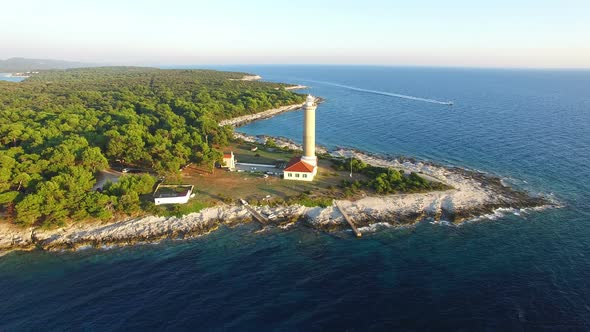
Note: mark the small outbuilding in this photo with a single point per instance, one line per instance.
(172, 194)
(229, 160)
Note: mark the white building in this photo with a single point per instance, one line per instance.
(172, 194)
(299, 170)
(305, 168)
(229, 160)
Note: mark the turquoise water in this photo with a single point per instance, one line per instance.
(513, 272)
(6, 77)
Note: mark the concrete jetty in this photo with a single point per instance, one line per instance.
(260, 218)
(349, 221)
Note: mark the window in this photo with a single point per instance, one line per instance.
(296, 175)
(289, 174)
(304, 175)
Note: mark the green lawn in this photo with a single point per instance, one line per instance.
(228, 187)
(263, 155)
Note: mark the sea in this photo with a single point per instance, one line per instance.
(507, 271)
(8, 77)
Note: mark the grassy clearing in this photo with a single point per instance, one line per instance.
(263, 155)
(226, 187)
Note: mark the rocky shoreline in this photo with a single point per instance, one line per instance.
(242, 120)
(245, 119)
(474, 195)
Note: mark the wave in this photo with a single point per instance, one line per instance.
(374, 227)
(287, 225)
(263, 230)
(442, 223)
(520, 212)
(384, 93)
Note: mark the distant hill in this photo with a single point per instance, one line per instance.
(23, 64)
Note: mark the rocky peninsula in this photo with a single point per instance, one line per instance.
(473, 195)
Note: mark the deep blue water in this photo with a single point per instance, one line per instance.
(527, 272)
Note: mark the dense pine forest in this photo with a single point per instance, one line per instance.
(59, 128)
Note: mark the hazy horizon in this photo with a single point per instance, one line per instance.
(530, 34)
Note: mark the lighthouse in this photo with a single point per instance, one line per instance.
(309, 132)
(305, 168)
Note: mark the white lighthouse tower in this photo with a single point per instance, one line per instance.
(309, 132)
(305, 168)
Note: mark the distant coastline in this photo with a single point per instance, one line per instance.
(247, 78)
(296, 87)
(244, 119)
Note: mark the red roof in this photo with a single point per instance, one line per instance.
(227, 155)
(298, 165)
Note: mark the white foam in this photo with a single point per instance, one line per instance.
(374, 227)
(443, 223)
(541, 208)
(501, 212)
(263, 230)
(288, 225)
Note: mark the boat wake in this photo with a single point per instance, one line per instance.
(384, 93)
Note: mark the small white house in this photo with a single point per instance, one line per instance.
(229, 160)
(172, 194)
(299, 170)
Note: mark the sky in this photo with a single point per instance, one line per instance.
(457, 33)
